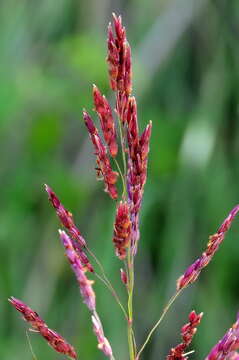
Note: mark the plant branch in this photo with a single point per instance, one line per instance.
(167, 307)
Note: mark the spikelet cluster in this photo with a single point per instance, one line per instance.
(134, 158)
(85, 284)
(67, 221)
(134, 145)
(103, 168)
(226, 348)
(119, 57)
(103, 109)
(187, 333)
(103, 343)
(215, 240)
(56, 341)
(122, 229)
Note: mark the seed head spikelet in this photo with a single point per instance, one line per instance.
(187, 333)
(119, 57)
(234, 355)
(103, 109)
(122, 229)
(215, 240)
(102, 159)
(56, 341)
(103, 343)
(226, 348)
(85, 284)
(67, 221)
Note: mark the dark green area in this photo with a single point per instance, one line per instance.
(185, 57)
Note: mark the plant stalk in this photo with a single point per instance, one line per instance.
(131, 341)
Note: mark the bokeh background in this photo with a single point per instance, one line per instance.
(186, 79)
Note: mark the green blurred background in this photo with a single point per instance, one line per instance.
(186, 79)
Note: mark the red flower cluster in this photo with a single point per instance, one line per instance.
(226, 348)
(215, 240)
(85, 284)
(103, 109)
(103, 343)
(137, 167)
(67, 221)
(187, 333)
(120, 72)
(102, 159)
(119, 58)
(122, 229)
(65, 216)
(56, 341)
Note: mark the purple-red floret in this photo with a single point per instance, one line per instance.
(67, 221)
(65, 216)
(103, 109)
(192, 273)
(102, 160)
(226, 348)
(119, 58)
(78, 268)
(122, 229)
(56, 341)
(103, 343)
(187, 333)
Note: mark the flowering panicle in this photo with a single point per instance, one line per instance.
(187, 333)
(102, 160)
(226, 348)
(84, 283)
(103, 109)
(87, 292)
(120, 72)
(134, 158)
(119, 57)
(136, 177)
(65, 216)
(103, 343)
(56, 341)
(122, 229)
(120, 67)
(215, 240)
(67, 221)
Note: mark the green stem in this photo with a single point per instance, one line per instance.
(171, 301)
(112, 290)
(107, 282)
(131, 340)
(30, 346)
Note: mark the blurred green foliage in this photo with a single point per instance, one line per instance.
(186, 72)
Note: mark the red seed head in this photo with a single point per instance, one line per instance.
(119, 58)
(65, 217)
(103, 343)
(103, 163)
(122, 229)
(194, 270)
(187, 333)
(103, 109)
(78, 268)
(56, 341)
(226, 348)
